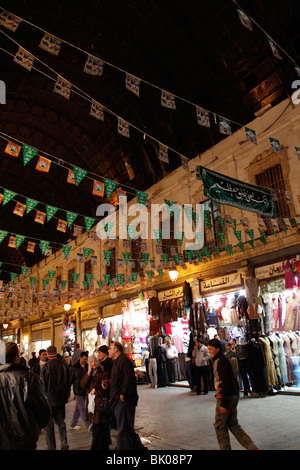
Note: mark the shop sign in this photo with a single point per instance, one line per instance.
(113, 309)
(218, 283)
(271, 270)
(40, 326)
(170, 294)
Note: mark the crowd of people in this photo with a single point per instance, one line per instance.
(34, 397)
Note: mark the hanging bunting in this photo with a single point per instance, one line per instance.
(160, 272)
(50, 44)
(100, 283)
(24, 58)
(44, 245)
(24, 270)
(133, 84)
(134, 276)
(163, 153)
(251, 135)
(202, 117)
(244, 19)
(63, 284)
(275, 144)
(62, 225)
(131, 232)
(149, 274)
(232, 192)
(13, 276)
(110, 186)
(241, 246)
(10, 21)
(179, 236)
(71, 177)
(19, 240)
(225, 126)
(158, 235)
(123, 127)
(79, 174)
(66, 250)
(32, 280)
(20, 209)
(8, 196)
(107, 256)
(274, 48)
(173, 207)
(87, 252)
(71, 217)
(141, 197)
(89, 278)
(28, 153)
(45, 282)
(50, 211)
(40, 217)
(168, 100)
(107, 226)
(51, 275)
(120, 279)
(43, 164)
(97, 110)
(62, 87)
(106, 278)
(12, 149)
(228, 248)
(30, 247)
(146, 257)
(75, 277)
(126, 256)
(98, 188)
(89, 222)
(221, 236)
(93, 66)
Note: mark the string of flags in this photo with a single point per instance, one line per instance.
(94, 66)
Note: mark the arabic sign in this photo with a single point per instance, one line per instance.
(218, 283)
(232, 192)
(170, 294)
(271, 270)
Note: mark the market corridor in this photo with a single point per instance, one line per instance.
(171, 418)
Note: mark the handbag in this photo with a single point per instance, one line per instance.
(104, 407)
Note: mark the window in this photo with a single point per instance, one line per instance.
(70, 279)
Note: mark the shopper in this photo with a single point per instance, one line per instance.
(104, 360)
(76, 354)
(55, 377)
(77, 373)
(98, 413)
(25, 409)
(32, 361)
(124, 398)
(231, 355)
(42, 359)
(227, 400)
(202, 356)
(172, 366)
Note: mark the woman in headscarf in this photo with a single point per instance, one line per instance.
(96, 381)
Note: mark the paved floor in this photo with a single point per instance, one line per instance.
(172, 418)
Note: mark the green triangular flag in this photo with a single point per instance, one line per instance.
(30, 204)
(131, 231)
(149, 274)
(51, 275)
(87, 252)
(32, 280)
(111, 283)
(106, 278)
(126, 256)
(89, 222)
(241, 246)
(221, 235)
(89, 278)
(45, 282)
(120, 279)
(28, 153)
(160, 271)
(134, 276)
(13, 276)
(207, 219)
(228, 248)
(217, 250)
(141, 197)
(100, 283)
(222, 222)
(51, 211)
(107, 255)
(189, 255)
(71, 216)
(79, 174)
(110, 186)
(75, 277)
(146, 257)
(199, 237)
(238, 234)
(7, 196)
(177, 258)
(173, 207)
(63, 284)
(165, 257)
(207, 252)
(19, 240)
(44, 245)
(66, 250)
(24, 270)
(158, 235)
(251, 242)
(179, 236)
(107, 227)
(195, 218)
(250, 233)
(188, 210)
(85, 284)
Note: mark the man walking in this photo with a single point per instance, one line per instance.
(55, 377)
(201, 355)
(124, 398)
(25, 409)
(77, 373)
(227, 400)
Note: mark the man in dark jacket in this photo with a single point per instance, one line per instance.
(227, 397)
(55, 377)
(124, 398)
(77, 372)
(24, 406)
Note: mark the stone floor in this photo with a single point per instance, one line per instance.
(173, 419)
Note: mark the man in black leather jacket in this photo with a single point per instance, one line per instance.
(77, 372)
(24, 406)
(55, 378)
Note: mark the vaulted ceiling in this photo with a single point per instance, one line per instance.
(198, 51)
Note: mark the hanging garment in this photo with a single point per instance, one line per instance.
(290, 278)
(282, 359)
(257, 367)
(187, 294)
(274, 349)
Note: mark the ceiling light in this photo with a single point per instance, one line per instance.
(67, 307)
(173, 273)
